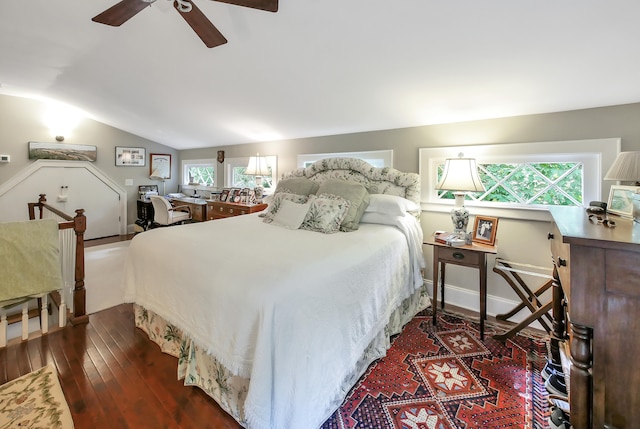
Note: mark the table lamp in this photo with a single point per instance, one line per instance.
(626, 168)
(257, 167)
(460, 176)
(157, 175)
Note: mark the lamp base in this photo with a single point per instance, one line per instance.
(460, 216)
(460, 219)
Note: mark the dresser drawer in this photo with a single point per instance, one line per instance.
(227, 210)
(455, 255)
(220, 210)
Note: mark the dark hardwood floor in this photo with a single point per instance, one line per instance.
(114, 377)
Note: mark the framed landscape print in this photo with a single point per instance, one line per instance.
(62, 151)
(130, 156)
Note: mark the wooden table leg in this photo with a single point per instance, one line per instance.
(442, 268)
(434, 304)
(483, 293)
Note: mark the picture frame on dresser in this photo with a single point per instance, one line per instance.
(621, 200)
(484, 230)
(224, 195)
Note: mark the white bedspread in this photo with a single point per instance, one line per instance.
(292, 310)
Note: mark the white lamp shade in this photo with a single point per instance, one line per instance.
(257, 166)
(460, 174)
(157, 175)
(626, 167)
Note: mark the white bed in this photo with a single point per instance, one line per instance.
(277, 324)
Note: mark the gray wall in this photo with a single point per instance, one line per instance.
(518, 239)
(21, 121)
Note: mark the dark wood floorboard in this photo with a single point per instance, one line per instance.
(114, 377)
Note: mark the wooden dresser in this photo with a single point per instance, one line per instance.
(598, 273)
(219, 210)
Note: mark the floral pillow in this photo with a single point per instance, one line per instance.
(326, 213)
(277, 203)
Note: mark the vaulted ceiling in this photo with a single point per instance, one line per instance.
(321, 67)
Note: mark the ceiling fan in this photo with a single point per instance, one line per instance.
(121, 12)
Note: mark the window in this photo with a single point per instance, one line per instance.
(234, 176)
(377, 158)
(525, 176)
(528, 183)
(199, 172)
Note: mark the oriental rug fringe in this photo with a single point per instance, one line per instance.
(444, 377)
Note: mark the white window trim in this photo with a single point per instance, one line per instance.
(597, 154)
(377, 158)
(230, 163)
(184, 177)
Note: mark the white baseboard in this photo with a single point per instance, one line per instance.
(470, 300)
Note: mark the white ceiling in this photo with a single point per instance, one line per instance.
(321, 67)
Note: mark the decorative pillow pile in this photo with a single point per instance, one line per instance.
(357, 196)
(277, 203)
(295, 185)
(326, 213)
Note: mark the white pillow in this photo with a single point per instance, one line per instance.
(290, 215)
(390, 204)
(381, 218)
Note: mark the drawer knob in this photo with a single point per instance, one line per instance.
(550, 236)
(458, 255)
(221, 209)
(230, 210)
(562, 262)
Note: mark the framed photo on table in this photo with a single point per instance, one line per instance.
(224, 195)
(621, 200)
(160, 165)
(484, 230)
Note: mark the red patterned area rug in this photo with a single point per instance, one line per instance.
(445, 377)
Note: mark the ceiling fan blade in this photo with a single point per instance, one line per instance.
(268, 5)
(202, 26)
(121, 12)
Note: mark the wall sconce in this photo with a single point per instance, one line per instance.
(61, 120)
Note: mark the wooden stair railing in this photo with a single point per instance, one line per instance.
(78, 223)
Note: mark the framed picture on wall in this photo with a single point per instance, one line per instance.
(160, 165)
(131, 156)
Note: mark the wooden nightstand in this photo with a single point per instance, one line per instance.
(220, 210)
(472, 255)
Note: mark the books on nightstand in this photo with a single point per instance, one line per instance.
(449, 239)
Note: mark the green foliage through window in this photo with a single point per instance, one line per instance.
(241, 180)
(202, 175)
(528, 183)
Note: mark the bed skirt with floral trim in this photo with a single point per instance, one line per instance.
(200, 369)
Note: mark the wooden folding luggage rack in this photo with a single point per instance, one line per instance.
(511, 271)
